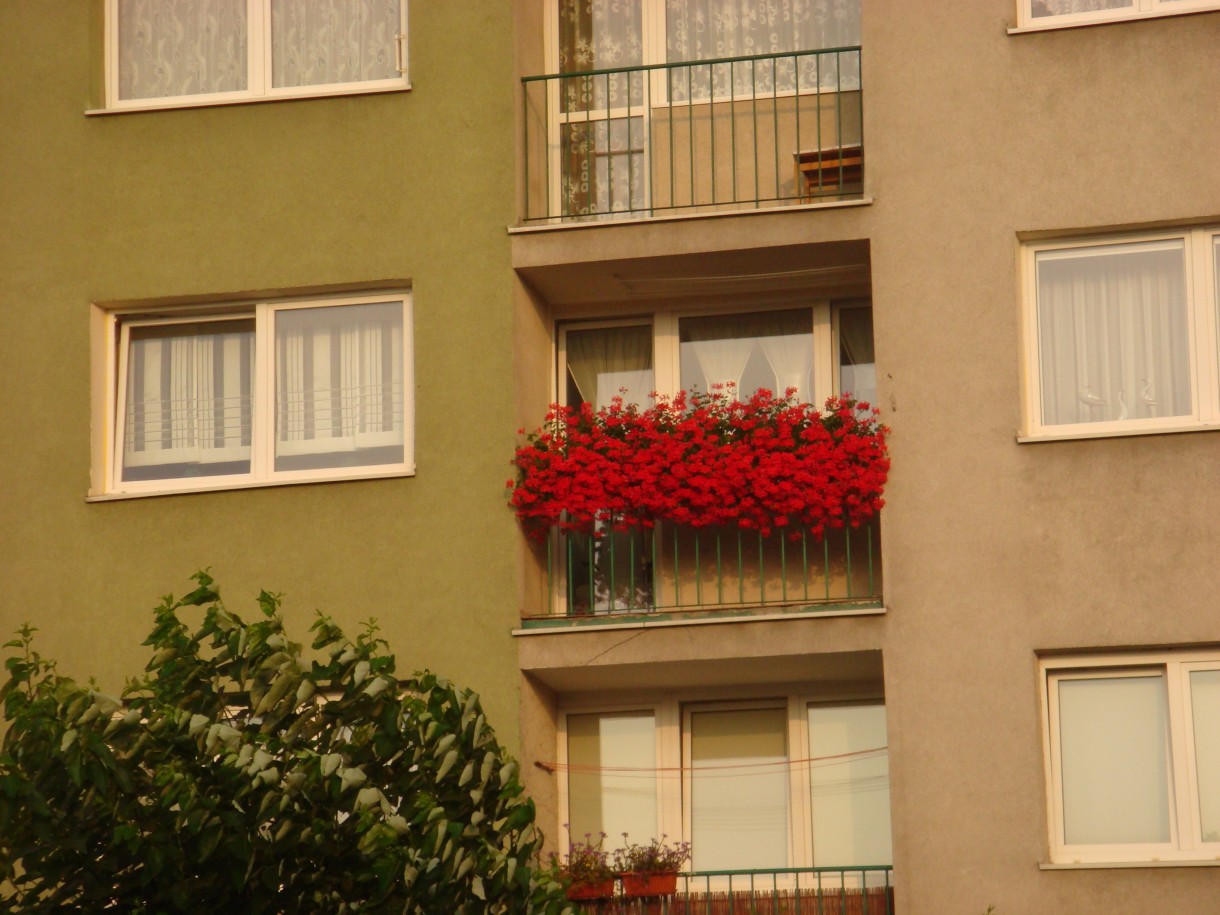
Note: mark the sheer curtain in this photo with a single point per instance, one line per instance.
(187, 404)
(317, 42)
(739, 789)
(857, 363)
(181, 47)
(1113, 333)
(339, 386)
(765, 349)
(710, 29)
(605, 362)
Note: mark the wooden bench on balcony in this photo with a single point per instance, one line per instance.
(832, 171)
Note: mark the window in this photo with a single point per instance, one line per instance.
(1120, 334)
(1060, 13)
(1159, 714)
(252, 394)
(817, 351)
(191, 52)
(764, 784)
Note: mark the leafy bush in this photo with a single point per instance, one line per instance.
(236, 776)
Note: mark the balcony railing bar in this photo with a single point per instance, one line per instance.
(691, 64)
(697, 571)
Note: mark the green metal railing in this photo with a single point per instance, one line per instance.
(786, 891)
(673, 568)
(734, 132)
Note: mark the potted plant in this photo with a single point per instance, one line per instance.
(586, 871)
(652, 869)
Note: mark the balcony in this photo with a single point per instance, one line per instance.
(734, 133)
(681, 571)
(789, 891)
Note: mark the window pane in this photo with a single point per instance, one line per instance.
(1103, 721)
(187, 409)
(602, 166)
(600, 36)
(849, 776)
(607, 362)
(612, 784)
(1113, 333)
(765, 349)
(739, 789)
(1205, 706)
(339, 386)
(181, 47)
(857, 364)
(318, 42)
(1044, 8)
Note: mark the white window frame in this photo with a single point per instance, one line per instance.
(258, 69)
(110, 331)
(1203, 344)
(1139, 9)
(1186, 844)
(672, 714)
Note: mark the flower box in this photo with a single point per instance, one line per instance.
(649, 884)
(588, 891)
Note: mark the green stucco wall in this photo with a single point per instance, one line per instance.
(284, 195)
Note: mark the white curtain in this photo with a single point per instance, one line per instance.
(1041, 8)
(339, 382)
(601, 361)
(739, 789)
(763, 349)
(188, 398)
(710, 29)
(600, 35)
(181, 47)
(612, 776)
(1113, 333)
(318, 42)
(602, 164)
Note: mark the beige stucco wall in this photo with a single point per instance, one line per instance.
(994, 551)
(412, 187)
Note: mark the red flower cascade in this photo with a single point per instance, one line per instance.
(701, 460)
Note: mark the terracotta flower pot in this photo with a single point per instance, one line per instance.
(603, 889)
(649, 884)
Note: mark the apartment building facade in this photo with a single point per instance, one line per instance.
(998, 222)
(265, 316)
(255, 266)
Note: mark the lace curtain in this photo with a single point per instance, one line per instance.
(1113, 333)
(170, 48)
(181, 47)
(319, 42)
(710, 29)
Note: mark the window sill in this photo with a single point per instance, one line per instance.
(258, 484)
(1029, 439)
(1109, 20)
(1118, 865)
(187, 102)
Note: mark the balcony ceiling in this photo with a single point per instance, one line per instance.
(838, 270)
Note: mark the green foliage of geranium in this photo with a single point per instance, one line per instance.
(238, 776)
